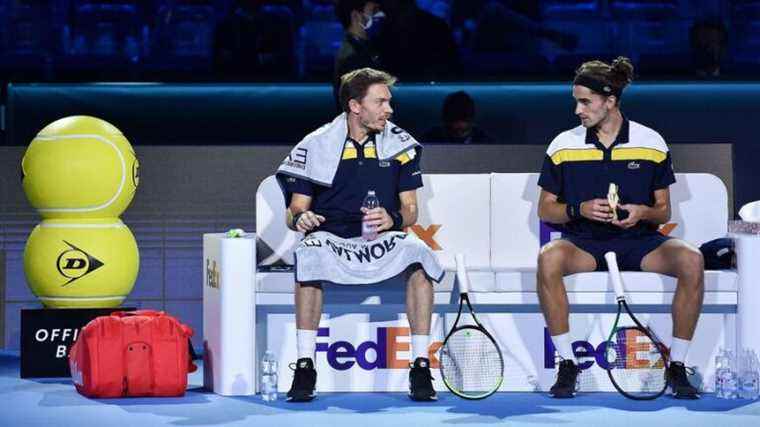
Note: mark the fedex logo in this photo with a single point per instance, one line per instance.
(634, 349)
(343, 355)
(426, 234)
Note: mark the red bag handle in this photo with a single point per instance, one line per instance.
(192, 367)
(152, 313)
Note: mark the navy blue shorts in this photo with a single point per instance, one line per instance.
(630, 250)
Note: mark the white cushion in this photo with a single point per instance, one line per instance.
(459, 204)
(514, 221)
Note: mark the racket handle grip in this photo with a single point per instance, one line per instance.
(464, 284)
(614, 270)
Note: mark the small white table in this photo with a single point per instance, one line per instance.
(747, 238)
(229, 316)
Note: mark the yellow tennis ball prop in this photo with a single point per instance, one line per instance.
(80, 167)
(81, 263)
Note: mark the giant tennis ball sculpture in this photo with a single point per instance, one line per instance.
(71, 263)
(80, 167)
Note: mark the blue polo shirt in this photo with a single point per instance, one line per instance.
(577, 168)
(358, 172)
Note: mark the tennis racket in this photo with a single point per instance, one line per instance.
(471, 363)
(636, 358)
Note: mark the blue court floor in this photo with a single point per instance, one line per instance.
(55, 402)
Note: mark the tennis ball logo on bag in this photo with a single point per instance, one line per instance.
(343, 355)
(634, 356)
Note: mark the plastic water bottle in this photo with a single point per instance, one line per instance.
(749, 376)
(269, 377)
(722, 371)
(729, 378)
(369, 232)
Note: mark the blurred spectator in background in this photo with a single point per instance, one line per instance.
(416, 45)
(363, 21)
(709, 41)
(255, 41)
(458, 116)
(501, 28)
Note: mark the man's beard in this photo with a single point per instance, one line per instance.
(370, 129)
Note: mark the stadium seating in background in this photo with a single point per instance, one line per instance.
(646, 9)
(565, 9)
(439, 8)
(277, 43)
(190, 33)
(255, 41)
(26, 52)
(319, 39)
(289, 40)
(178, 40)
(745, 37)
(649, 27)
(105, 30)
(103, 40)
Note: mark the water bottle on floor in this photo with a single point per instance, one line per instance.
(731, 378)
(722, 372)
(269, 377)
(749, 376)
(371, 201)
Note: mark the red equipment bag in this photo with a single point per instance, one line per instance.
(132, 353)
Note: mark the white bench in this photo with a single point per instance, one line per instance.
(492, 219)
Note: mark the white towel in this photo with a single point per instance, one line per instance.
(322, 256)
(317, 156)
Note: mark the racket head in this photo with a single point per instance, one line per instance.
(471, 363)
(636, 363)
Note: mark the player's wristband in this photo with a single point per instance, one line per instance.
(296, 217)
(398, 221)
(573, 210)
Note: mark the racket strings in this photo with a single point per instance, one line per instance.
(636, 363)
(470, 362)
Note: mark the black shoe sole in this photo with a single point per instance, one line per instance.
(563, 395)
(432, 398)
(301, 398)
(685, 396)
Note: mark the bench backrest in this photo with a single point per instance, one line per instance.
(492, 218)
(699, 212)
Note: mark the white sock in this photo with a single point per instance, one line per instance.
(306, 343)
(563, 346)
(420, 345)
(678, 350)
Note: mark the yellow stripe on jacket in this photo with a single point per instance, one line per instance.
(577, 155)
(650, 154)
